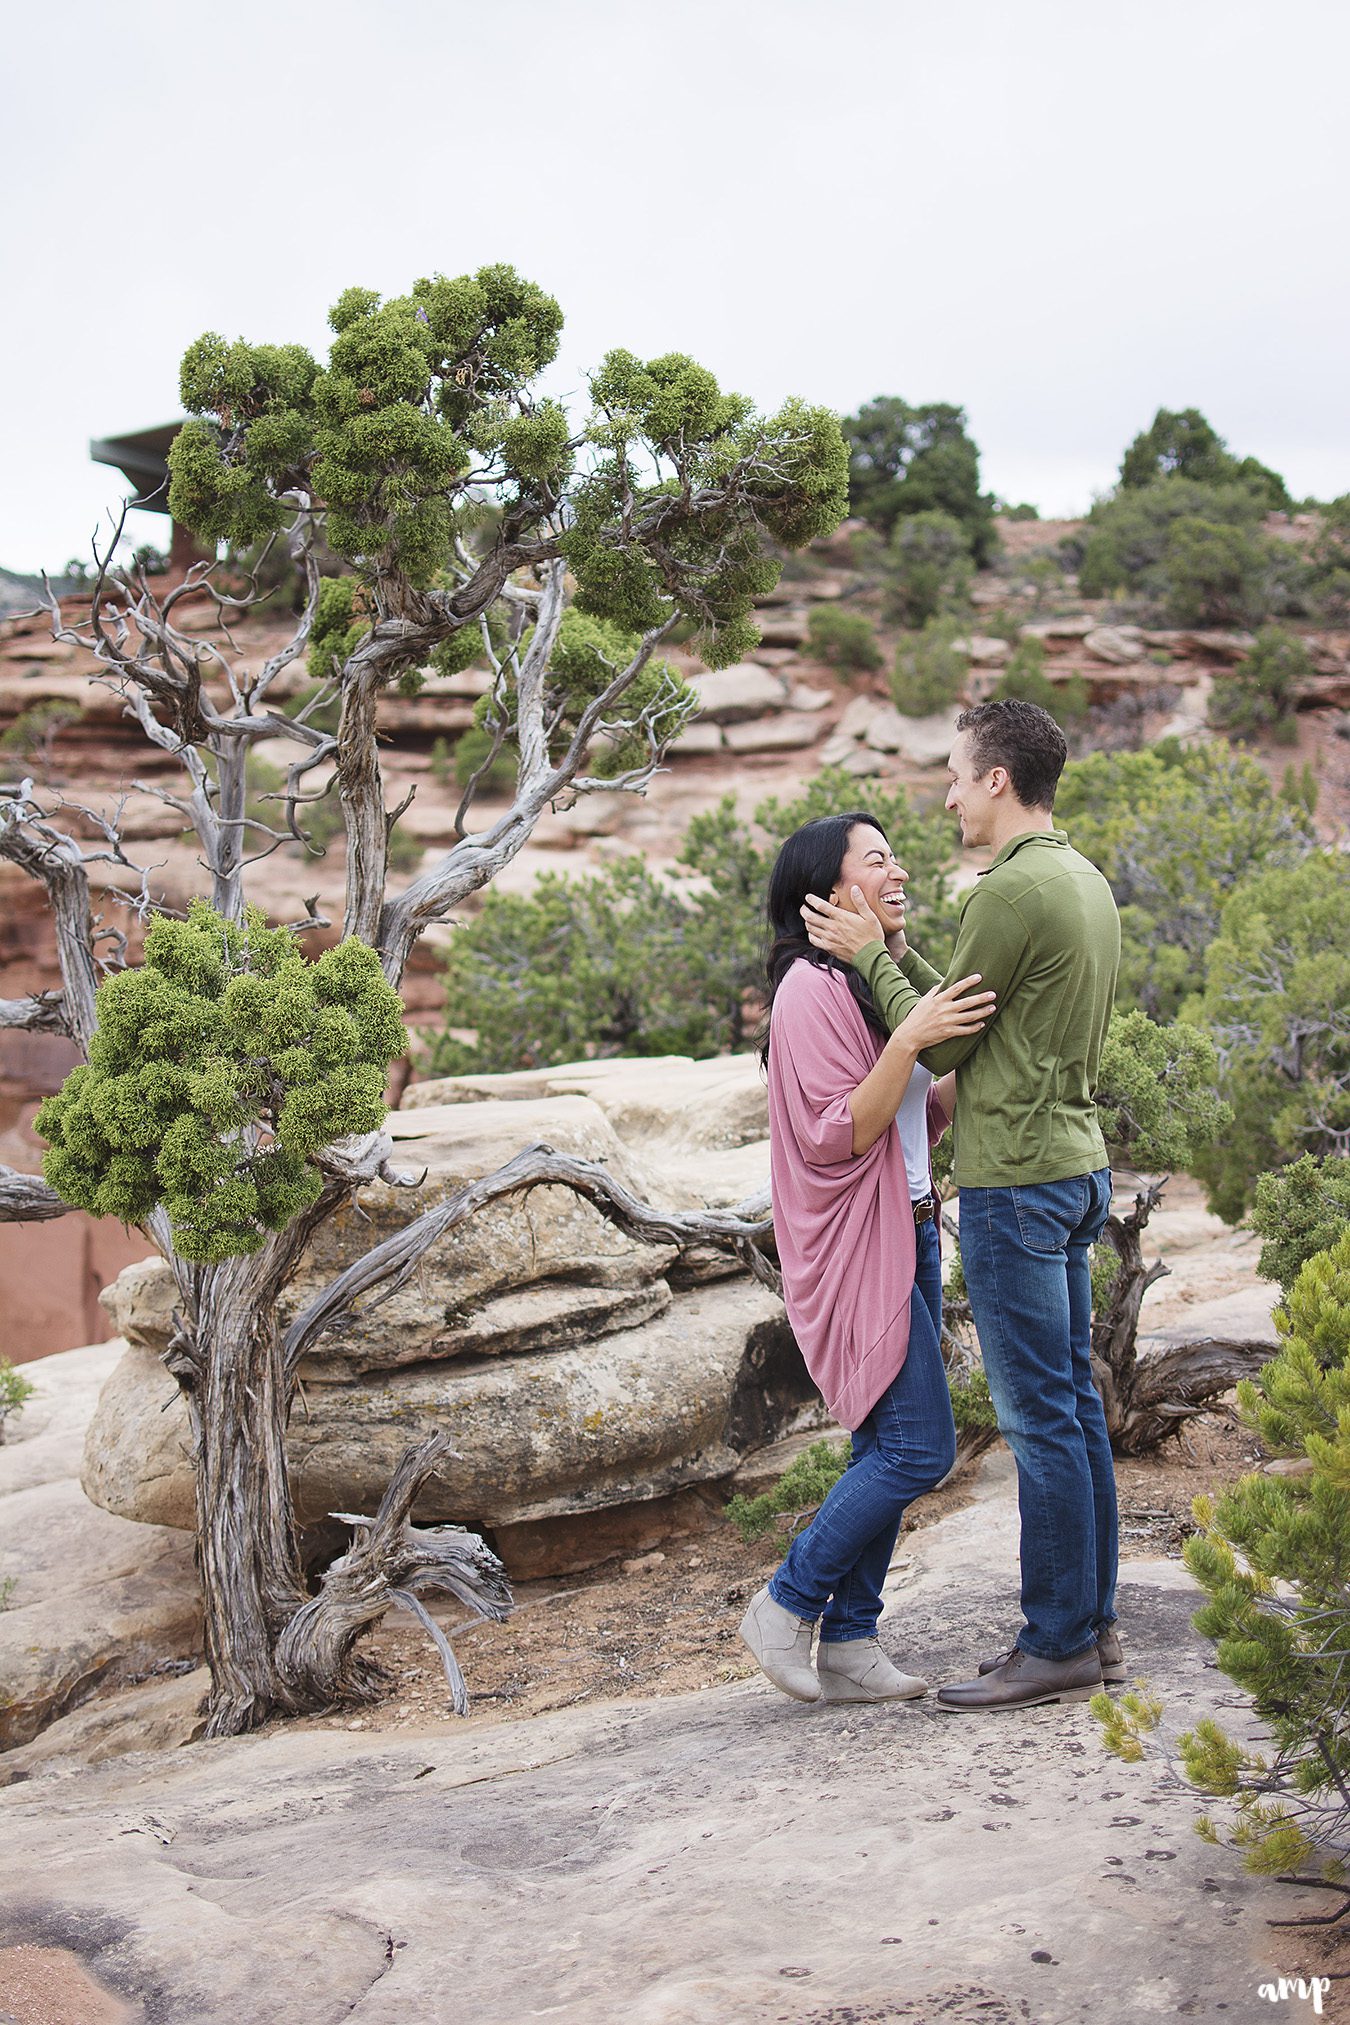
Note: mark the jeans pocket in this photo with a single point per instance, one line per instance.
(1049, 1212)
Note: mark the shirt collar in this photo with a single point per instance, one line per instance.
(1057, 838)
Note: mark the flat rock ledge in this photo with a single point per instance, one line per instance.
(721, 1856)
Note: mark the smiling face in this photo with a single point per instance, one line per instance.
(974, 802)
(870, 863)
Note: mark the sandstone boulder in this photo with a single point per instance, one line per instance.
(788, 733)
(698, 737)
(926, 741)
(783, 628)
(983, 650)
(634, 1416)
(731, 695)
(1117, 644)
(804, 697)
(1056, 635)
(91, 1597)
(661, 1103)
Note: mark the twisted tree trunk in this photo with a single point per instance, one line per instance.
(232, 1367)
(1148, 1398)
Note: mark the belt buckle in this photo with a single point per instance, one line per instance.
(925, 1210)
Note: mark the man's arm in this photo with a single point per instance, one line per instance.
(991, 944)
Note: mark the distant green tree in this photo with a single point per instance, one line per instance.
(1220, 575)
(930, 670)
(927, 567)
(1262, 692)
(1298, 1211)
(1159, 1109)
(621, 962)
(906, 460)
(1194, 553)
(844, 639)
(31, 739)
(1023, 676)
(1181, 443)
(1329, 563)
(1276, 998)
(1175, 831)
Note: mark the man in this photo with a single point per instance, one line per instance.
(1040, 927)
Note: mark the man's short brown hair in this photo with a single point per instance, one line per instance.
(1021, 737)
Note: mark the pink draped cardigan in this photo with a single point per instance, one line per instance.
(843, 1221)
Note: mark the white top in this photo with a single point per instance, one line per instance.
(912, 1118)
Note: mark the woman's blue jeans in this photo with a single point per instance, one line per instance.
(907, 1444)
(1025, 1256)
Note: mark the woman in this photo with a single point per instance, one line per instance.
(852, 1115)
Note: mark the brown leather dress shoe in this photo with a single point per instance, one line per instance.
(1023, 1682)
(1109, 1652)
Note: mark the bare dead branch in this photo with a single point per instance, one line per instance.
(42, 1013)
(388, 1265)
(27, 1198)
(390, 1562)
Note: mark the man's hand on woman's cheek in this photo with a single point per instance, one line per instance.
(839, 930)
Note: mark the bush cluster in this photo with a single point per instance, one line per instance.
(219, 1068)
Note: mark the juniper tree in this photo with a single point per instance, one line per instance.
(228, 1100)
(1271, 1557)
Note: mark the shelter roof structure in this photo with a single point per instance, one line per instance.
(143, 458)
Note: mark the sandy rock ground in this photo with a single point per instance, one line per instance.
(708, 1856)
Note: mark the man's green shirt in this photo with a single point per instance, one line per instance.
(1041, 928)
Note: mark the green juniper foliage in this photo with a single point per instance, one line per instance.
(423, 426)
(1182, 444)
(843, 639)
(1271, 1555)
(1157, 1098)
(1276, 998)
(1262, 692)
(1024, 677)
(930, 669)
(218, 1069)
(927, 569)
(622, 962)
(1298, 1211)
(1190, 553)
(909, 460)
(797, 1495)
(588, 653)
(1175, 831)
(15, 1392)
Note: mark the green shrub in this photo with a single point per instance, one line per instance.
(843, 639)
(1024, 677)
(1276, 998)
(621, 962)
(1181, 443)
(1328, 582)
(218, 1070)
(1262, 692)
(1219, 574)
(927, 568)
(1194, 554)
(15, 1392)
(905, 460)
(1271, 1558)
(1300, 1210)
(797, 1496)
(1175, 831)
(930, 672)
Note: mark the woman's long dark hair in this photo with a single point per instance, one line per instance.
(810, 862)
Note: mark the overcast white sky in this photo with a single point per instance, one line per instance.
(1059, 216)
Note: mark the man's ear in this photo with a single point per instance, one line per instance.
(998, 780)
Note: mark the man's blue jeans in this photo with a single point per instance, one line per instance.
(907, 1444)
(1024, 1251)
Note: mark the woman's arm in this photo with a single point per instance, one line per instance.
(938, 1016)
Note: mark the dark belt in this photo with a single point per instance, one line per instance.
(926, 1210)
